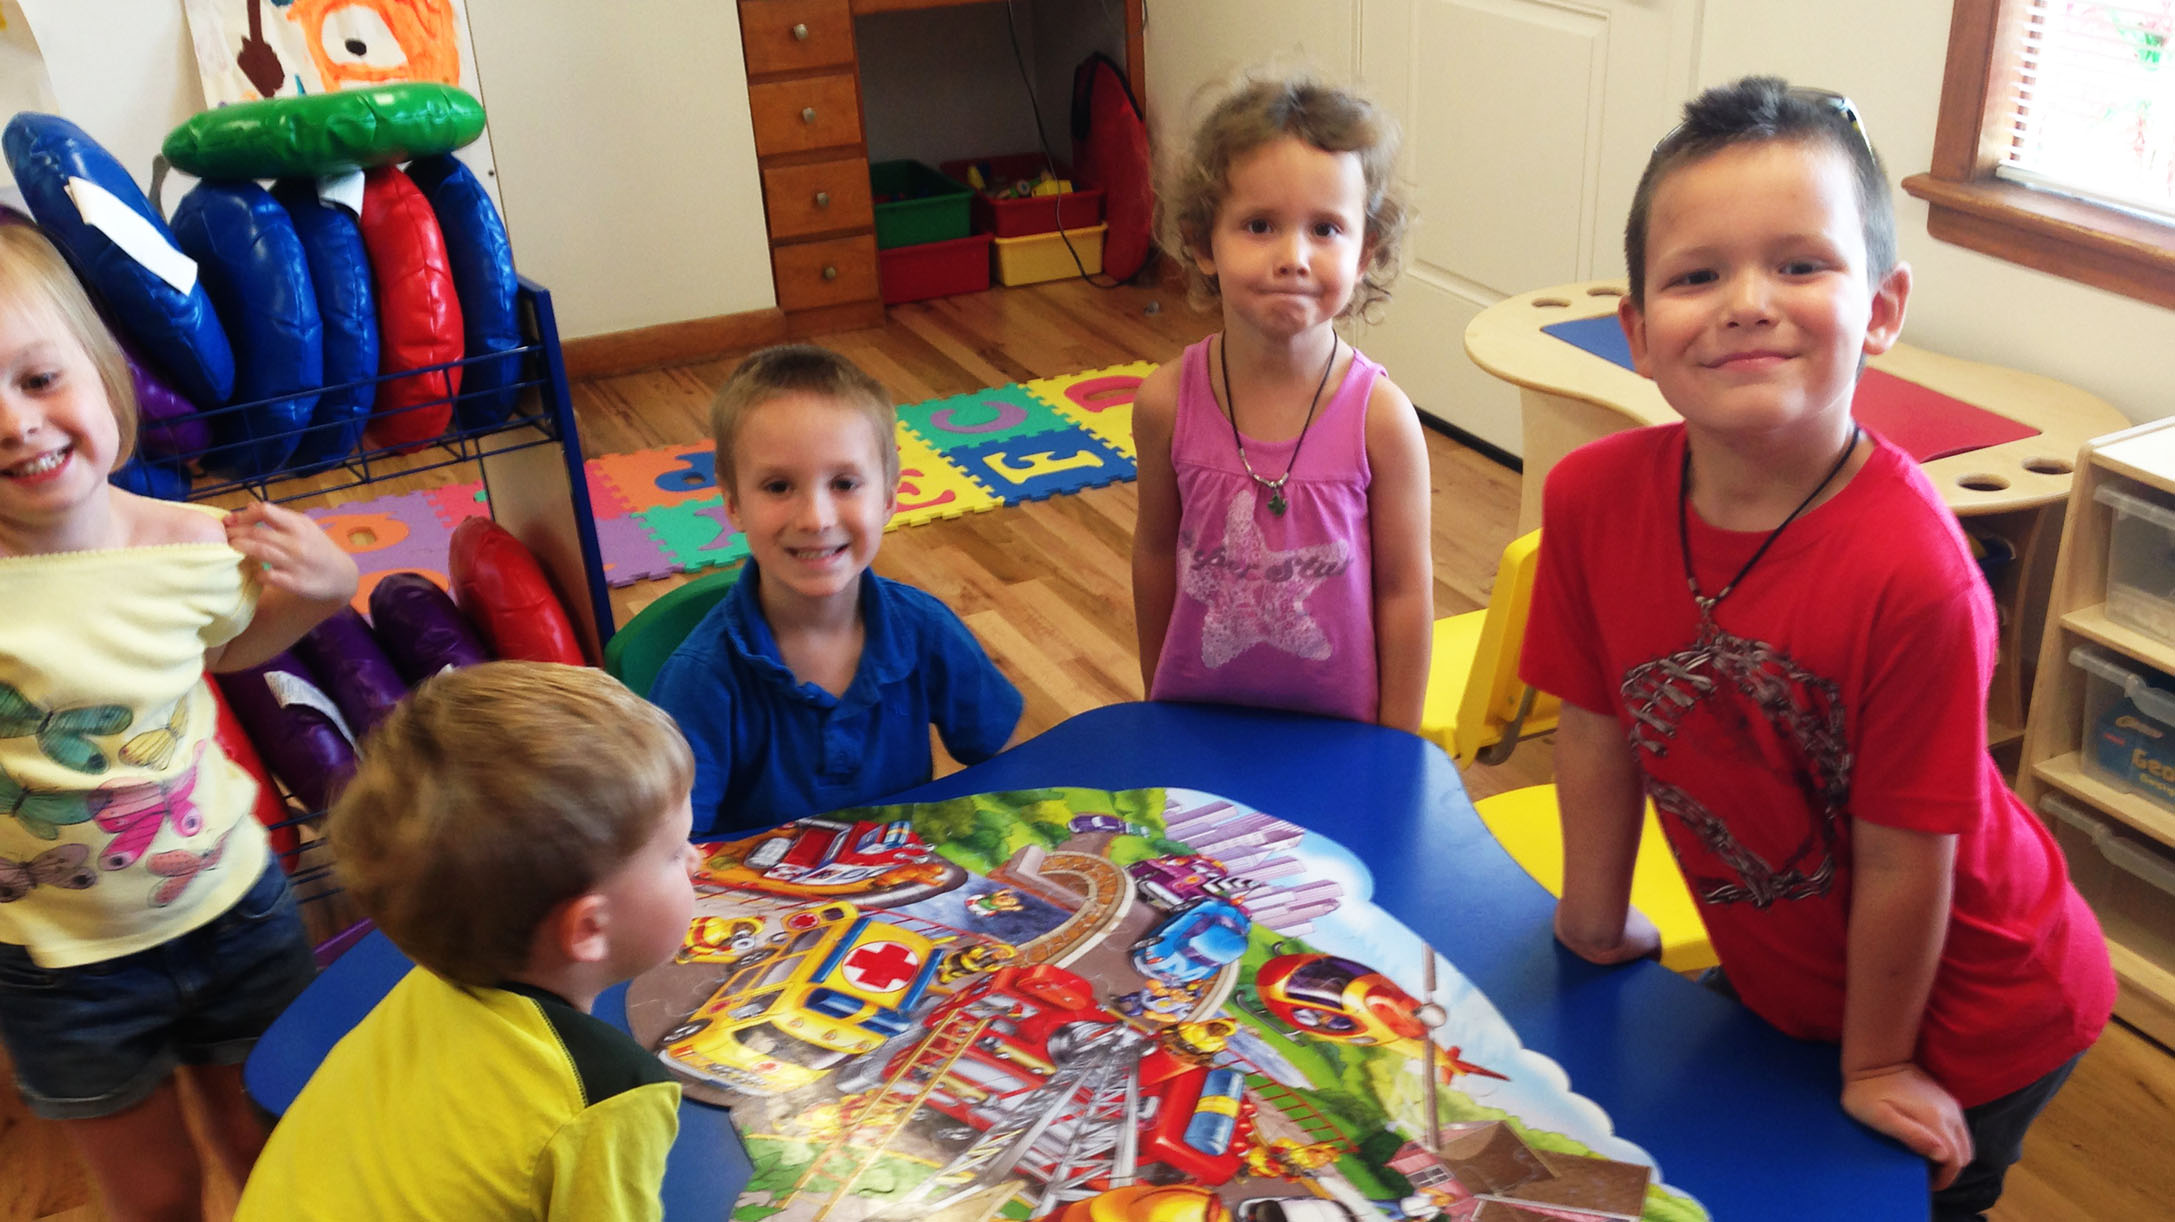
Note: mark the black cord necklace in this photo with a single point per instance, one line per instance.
(1277, 503)
(1684, 538)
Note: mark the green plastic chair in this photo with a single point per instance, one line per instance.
(638, 651)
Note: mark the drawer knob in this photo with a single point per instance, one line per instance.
(808, 114)
(800, 32)
(830, 272)
(823, 199)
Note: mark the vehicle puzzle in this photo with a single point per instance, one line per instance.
(1148, 1005)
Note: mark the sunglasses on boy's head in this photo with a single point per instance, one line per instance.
(1837, 102)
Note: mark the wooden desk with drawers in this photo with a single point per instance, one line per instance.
(804, 90)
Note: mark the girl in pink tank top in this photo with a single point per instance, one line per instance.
(1281, 558)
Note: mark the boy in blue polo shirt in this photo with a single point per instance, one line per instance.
(812, 686)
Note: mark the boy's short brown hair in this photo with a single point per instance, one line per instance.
(801, 369)
(491, 795)
(33, 274)
(1762, 110)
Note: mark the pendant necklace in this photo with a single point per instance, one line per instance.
(1277, 503)
(1684, 542)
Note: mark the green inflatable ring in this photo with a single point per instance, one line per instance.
(326, 133)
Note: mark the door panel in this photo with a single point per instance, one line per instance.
(1526, 125)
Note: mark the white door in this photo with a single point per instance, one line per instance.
(1527, 123)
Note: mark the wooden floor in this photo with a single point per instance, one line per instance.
(1046, 587)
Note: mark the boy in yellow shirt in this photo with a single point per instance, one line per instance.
(519, 829)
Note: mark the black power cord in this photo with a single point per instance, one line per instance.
(1049, 159)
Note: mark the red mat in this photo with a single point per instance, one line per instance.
(1927, 424)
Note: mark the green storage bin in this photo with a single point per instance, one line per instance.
(916, 204)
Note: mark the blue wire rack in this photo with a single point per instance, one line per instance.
(518, 475)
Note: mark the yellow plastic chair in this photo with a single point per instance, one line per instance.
(1478, 710)
(1525, 823)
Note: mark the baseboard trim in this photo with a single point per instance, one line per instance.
(1493, 453)
(671, 343)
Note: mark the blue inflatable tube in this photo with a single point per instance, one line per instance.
(483, 277)
(348, 308)
(144, 475)
(178, 329)
(254, 269)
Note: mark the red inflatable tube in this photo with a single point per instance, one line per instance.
(269, 809)
(504, 592)
(419, 313)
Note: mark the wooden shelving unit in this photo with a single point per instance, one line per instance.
(2054, 739)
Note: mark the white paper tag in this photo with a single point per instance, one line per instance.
(346, 190)
(291, 689)
(128, 229)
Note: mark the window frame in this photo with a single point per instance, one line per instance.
(1967, 206)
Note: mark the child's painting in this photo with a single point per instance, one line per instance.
(1138, 1006)
(251, 49)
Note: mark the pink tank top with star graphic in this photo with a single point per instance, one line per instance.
(1273, 610)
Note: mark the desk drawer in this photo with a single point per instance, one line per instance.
(812, 274)
(790, 35)
(812, 113)
(805, 199)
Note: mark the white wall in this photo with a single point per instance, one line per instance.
(1889, 57)
(1195, 44)
(625, 155)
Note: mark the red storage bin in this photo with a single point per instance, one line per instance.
(1014, 216)
(934, 269)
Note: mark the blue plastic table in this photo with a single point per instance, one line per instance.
(1738, 1115)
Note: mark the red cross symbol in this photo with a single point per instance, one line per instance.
(880, 967)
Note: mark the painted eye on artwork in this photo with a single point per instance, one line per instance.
(356, 35)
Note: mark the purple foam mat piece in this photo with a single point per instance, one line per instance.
(630, 554)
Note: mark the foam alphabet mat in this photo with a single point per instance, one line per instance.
(1081, 1004)
(660, 511)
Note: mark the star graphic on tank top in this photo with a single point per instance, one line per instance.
(1255, 595)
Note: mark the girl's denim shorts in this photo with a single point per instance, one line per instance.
(98, 1039)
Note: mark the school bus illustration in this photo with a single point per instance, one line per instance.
(833, 984)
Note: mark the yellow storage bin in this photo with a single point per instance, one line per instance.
(1043, 256)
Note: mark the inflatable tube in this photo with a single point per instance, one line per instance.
(482, 259)
(358, 675)
(504, 591)
(168, 424)
(153, 477)
(419, 312)
(326, 133)
(296, 727)
(347, 305)
(253, 267)
(269, 808)
(421, 629)
(178, 327)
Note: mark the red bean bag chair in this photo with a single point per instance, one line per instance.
(504, 592)
(419, 312)
(270, 809)
(1110, 151)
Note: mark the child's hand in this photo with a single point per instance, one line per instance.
(296, 554)
(1638, 939)
(1906, 1104)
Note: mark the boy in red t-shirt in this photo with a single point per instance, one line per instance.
(1808, 717)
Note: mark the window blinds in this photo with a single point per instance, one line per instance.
(2092, 103)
